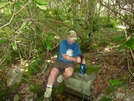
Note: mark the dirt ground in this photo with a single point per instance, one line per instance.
(114, 65)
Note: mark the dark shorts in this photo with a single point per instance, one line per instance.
(61, 66)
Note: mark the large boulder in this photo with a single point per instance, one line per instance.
(14, 76)
(80, 84)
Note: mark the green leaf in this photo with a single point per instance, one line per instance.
(122, 46)
(49, 37)
(7, 30)
(69, 10)
(19, 3)
(132, 46)
(1, 31)
(14, 46)
(23, 25)
(41, 2)
(43, 7)
(48, 45)
(129, 43)
(3, 4)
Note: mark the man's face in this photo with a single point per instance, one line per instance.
(71, 41)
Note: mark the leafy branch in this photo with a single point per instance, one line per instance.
(15, 13)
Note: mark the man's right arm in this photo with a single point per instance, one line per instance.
(75, 59)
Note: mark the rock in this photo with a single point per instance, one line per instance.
(14, 75)
(119, 95)
(103, 97)
(80, 84)
(129, 97)
(16, 97)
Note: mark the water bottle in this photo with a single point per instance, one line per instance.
(82, 69)
(82, 66)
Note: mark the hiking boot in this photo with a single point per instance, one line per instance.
(47, 93)
(56, 84)
(60, 79)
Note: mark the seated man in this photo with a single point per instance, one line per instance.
(69, 52)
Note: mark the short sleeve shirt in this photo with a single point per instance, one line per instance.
(72, 50)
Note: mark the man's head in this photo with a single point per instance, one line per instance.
(72, 36)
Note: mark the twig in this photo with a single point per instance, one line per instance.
(15, 13)
(132, 54)
(129, 66)
(128, 56)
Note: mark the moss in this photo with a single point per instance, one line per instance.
(110, 89)
(125, 77)
(89, 69)
(14, 88)
(34, 87)
(106, 99)
(2, 95)
(40, 98)
(58, 90)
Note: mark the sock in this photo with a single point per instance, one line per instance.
(62, 77)
(49, 86)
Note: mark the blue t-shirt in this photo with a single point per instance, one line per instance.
(72, 50)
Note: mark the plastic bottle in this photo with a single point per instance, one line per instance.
(82, 66)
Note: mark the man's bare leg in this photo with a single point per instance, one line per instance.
(52, 76)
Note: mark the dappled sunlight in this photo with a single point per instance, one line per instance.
(52, 59)
(122, 27)
(110, 48)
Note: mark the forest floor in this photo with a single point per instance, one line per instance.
(115, 67)
(115, 64)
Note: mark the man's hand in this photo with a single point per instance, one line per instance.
(83, 62)
(78, 59)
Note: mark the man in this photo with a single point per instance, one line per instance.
(69, 52)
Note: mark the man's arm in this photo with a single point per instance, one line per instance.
(75, 59)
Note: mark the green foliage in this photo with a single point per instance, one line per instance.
(110, 89)
(14, 88)
(128, 44)
(40, 98)
(35, 87)
(41, 2)
(114, 84)
(119, 39)
(106, 99)
(2, 95)
(48, 41)
(3, 4)
(105, 22)
(85, 45)
(4, 41)
(58, 90)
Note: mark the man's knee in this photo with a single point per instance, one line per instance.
(68, 72)
(54, 72)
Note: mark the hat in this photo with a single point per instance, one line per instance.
(72, 35)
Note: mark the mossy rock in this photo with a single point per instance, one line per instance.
(14, 88)
(110, 89)
(58, 90)
(2, 95)
(35, 87)
(89, 68)
(125, 77)
(40, 98)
